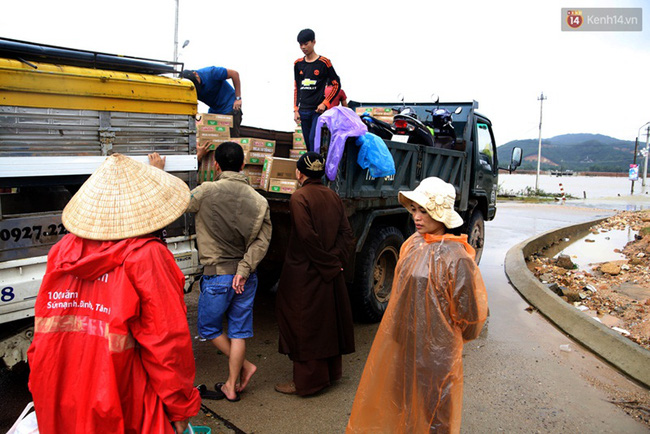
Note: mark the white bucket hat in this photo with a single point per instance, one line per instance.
(124, 198)
(437, 197)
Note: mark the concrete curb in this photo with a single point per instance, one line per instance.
(630, 358)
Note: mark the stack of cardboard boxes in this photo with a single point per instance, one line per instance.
(299, 146)
(263, 169)
(211, 130)
(256, 151)
(385, 114)
(279, 175)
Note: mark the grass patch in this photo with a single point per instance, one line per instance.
(530, 194)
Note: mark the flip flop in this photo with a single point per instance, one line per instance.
(209, 394)
(218, 386)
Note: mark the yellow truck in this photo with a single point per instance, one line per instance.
(62, 112)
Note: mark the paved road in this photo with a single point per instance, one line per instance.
(516, 377)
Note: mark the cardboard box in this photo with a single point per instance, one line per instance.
(263, 145)
(216, 137)
(252, 170)
(212, 129)
(255, 158)
(382, 111)
(374, 111)
(255, 182)
(286, 186)
(211, 143)
(211, 119)
(243, 141)
(278, 168)
(299, 141)
(254, 175)
(298, 130)
(256, 145)
(207, 171)
(388, 119)
(294, 154)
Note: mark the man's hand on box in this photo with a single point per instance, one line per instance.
(201, 150)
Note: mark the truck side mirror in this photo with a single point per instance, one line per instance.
(515, 160)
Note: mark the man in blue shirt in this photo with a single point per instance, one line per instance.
(213, 89)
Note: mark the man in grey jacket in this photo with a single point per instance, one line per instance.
(233, 232)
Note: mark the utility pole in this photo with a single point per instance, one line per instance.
(176, 33)
(645, 166)
(636, 148)
(541, 99)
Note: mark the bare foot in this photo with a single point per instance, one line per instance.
(230, 394)
(247, 372)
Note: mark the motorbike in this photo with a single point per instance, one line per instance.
(378, 127)
(409, 129)
(441, 125)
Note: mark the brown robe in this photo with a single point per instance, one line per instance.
(312, 305)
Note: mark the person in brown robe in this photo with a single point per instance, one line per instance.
(312, 305)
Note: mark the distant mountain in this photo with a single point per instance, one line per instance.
(578, 152)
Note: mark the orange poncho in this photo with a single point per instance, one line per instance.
(413, 378)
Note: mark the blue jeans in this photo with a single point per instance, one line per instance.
(219, 299)
(308, 121)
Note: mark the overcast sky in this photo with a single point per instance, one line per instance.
(502, 54)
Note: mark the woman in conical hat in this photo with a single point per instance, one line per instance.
(413, 378)
(112, 351)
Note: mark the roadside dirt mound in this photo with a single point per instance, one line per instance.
(616, 293)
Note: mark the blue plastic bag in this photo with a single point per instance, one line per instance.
(375, 156)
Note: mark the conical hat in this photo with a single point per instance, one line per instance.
(125, 199)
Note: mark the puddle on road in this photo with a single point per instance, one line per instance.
(601, 248)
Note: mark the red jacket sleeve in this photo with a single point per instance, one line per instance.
(162, 330)
(334, 80)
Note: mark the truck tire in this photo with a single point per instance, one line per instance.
(375, 269)
(476, 233)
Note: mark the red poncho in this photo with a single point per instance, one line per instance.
(413, 378)
(112, 351)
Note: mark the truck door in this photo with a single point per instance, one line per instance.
(486, 167)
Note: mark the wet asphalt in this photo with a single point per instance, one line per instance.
(516, 377)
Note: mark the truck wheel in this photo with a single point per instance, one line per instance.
(476, 234)
(375, 269)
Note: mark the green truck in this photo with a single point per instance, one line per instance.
(378, 220)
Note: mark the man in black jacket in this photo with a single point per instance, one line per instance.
(312, 73)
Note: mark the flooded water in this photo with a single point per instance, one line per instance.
(590, 187)
(592, 249)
